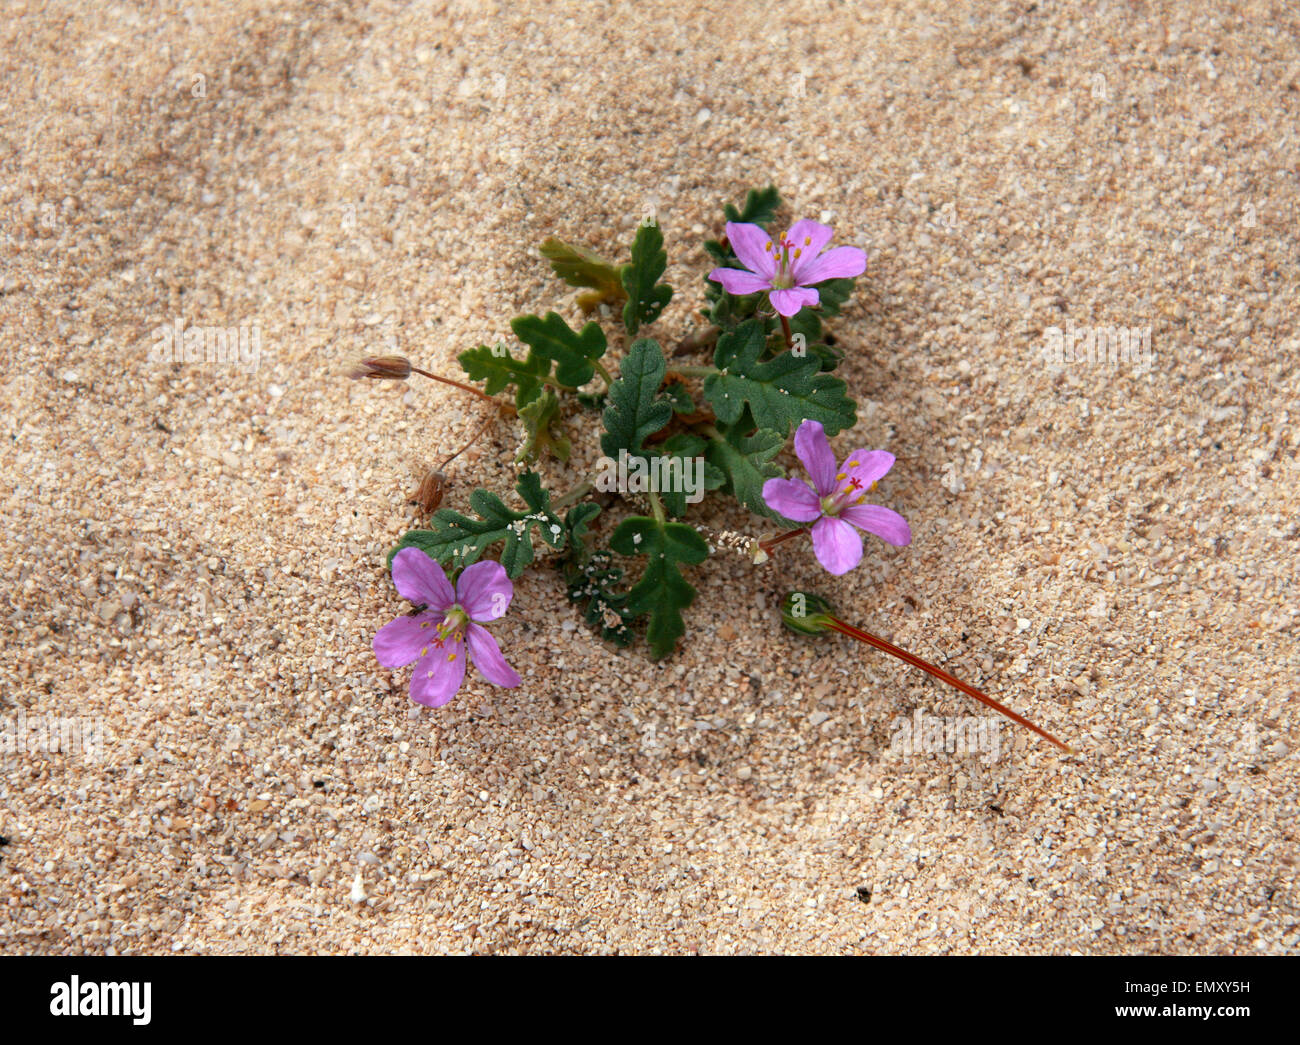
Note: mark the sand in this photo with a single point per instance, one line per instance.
(192, 555)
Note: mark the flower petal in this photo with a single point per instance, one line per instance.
(867, 466)
(837, 545)
(740, 282)
(439, 675)
(885, 523)
(484, 591)
(420, 580)
(749, 244)
(817, 236)
(789, 302)
(488, 659)
(814, 452)
(792, 498)
(834, 264)
(399, 643)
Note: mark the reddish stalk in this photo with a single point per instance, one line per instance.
(943, 676)
(464, 388)
(785, 329)
(781, 538)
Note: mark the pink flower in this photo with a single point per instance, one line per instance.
(439, 636)
(836, 499)
(786, 268)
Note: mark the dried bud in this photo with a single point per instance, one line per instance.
(382, 368)
(429, 494)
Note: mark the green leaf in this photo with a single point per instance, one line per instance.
(662, 592)
(781, 393)
(590, 576)
(575, 353)
(679, 455)
(645, 297)
(746, 461)
(580, 267)
(635, 412)
(760, 207)
(576, 525)
(832, 294)
(498, 368)
(543, 431)
(680, 399)
(457, 540)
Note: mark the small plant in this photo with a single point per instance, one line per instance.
(671, 430)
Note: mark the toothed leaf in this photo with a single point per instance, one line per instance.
(498, 368)
(662, 592)
(574, 352)
(646, 297)
(457, 540)
(635, 410)
(746, 462)
(781, 393)
(580, 267)
(544, 432)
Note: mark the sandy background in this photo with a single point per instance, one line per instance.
(194, 553)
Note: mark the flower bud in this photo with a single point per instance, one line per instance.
(806, 613)
(382, 368)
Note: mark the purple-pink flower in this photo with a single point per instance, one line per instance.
(836, 499)
(789, 267)
(448, 629)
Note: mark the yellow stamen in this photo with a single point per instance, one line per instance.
(798, 252)
(842, 476)
(807, 241)
(424, 652)
(769, 245)
(451, 656)
(853, 464)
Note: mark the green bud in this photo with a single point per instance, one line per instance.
(806, 613)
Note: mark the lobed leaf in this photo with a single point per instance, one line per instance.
(781, 392)
(646, 298)
(456, 540)
(573, 352)
(662, 592)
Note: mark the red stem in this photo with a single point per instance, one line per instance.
(943, 676)
(464, 388)
(781, 538)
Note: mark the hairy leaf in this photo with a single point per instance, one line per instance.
(498, 368)
(580, 267)
(781, 392)
(592, 578)
(458, 540)
(681, 461)
(646, 297)
(760, 207)
(574, 352)
(662, 592)
(543, 431)
(635, 410)
(746, 461)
